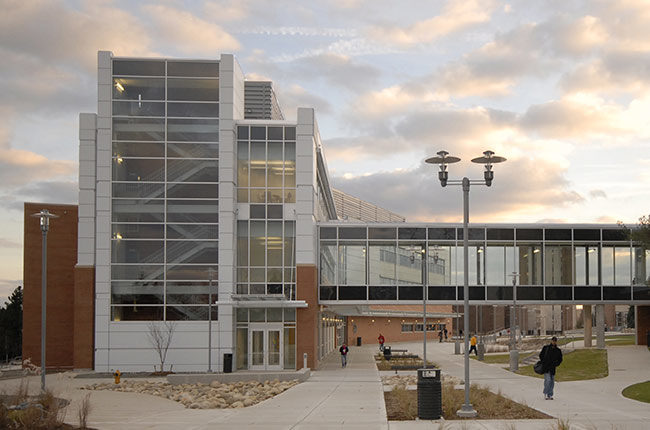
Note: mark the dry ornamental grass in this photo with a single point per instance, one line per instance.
(401, 404)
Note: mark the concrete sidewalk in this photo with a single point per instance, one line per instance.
(332, 398)
(585, 404)
(335, 398)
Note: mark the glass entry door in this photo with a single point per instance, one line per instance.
(265, 347)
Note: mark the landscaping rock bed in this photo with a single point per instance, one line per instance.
(202, 396)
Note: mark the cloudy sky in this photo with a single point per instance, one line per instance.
(560, 88)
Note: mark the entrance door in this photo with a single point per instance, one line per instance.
(265, 347)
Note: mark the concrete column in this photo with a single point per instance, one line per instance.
(600, 326)
(586, 317)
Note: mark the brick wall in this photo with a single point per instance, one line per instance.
(307, 318)
(61, 259)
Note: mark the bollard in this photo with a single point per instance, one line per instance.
(480, 351)
(304, 360)
(117, 375)
(457, 347)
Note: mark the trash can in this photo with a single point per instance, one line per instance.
(358, 340)
(480, 351)
(387, 353)
(429, 394)
(227, 363)
(647, 339)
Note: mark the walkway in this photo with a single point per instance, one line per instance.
(586, 404)
(352, 398)
(332, 398)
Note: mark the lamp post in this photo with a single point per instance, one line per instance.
(443, 158)
(210, 273)
(425, 271)
(44, 216)
(514, 354)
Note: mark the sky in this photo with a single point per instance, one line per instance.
(559, 88)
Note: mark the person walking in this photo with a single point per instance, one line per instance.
(381, 341)
(440, 335)
(551, 357)
(446, 333)
(344, 355)
(472, 343)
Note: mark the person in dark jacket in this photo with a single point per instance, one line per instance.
(551, 357)
(344, 355)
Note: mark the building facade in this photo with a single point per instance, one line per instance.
(204, 212)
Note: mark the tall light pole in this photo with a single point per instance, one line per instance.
(210, 273)
(443, 158)
(514, 354)
(425, 271)
(44, 216)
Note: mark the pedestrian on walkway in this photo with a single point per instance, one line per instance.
(344, 355)
(472, 343)
(381, 341)
(446, 333)
(440, 335)
(551, 357)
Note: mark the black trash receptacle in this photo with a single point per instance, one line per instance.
(359, 341)
(647, 338)
(227, 363)
(387, 353)
(429, 394)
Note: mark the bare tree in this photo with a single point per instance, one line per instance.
(160, 337)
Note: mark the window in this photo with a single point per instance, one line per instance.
(407, 328)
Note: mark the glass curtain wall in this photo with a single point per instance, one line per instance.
(266, 179)
(165, 174)
(385, 263)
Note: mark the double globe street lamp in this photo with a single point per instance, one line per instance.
(442, 160)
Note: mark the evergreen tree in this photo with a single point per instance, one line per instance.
(11, 326)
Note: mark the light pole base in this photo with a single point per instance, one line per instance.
(514, 360)
(457, 347)
(467, 411)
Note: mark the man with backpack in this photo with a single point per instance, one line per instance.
(551, 357)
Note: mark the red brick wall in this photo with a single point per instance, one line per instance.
(369, 328)
(61, 259)
(307, 318)
(84, 317)
(642, 324)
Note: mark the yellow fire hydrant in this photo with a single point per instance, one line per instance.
(117, 374)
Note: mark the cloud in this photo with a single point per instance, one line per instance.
(417, 194)
(188, 33)
(226, 11)
(595, 194)
(337, 70)
(295, 96)
(456, 15)
(613, 72)
(57, 33)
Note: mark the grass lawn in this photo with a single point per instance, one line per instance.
(640, 392)
(502, 358)
(579, 365)
(402, 404)
(628, 339)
